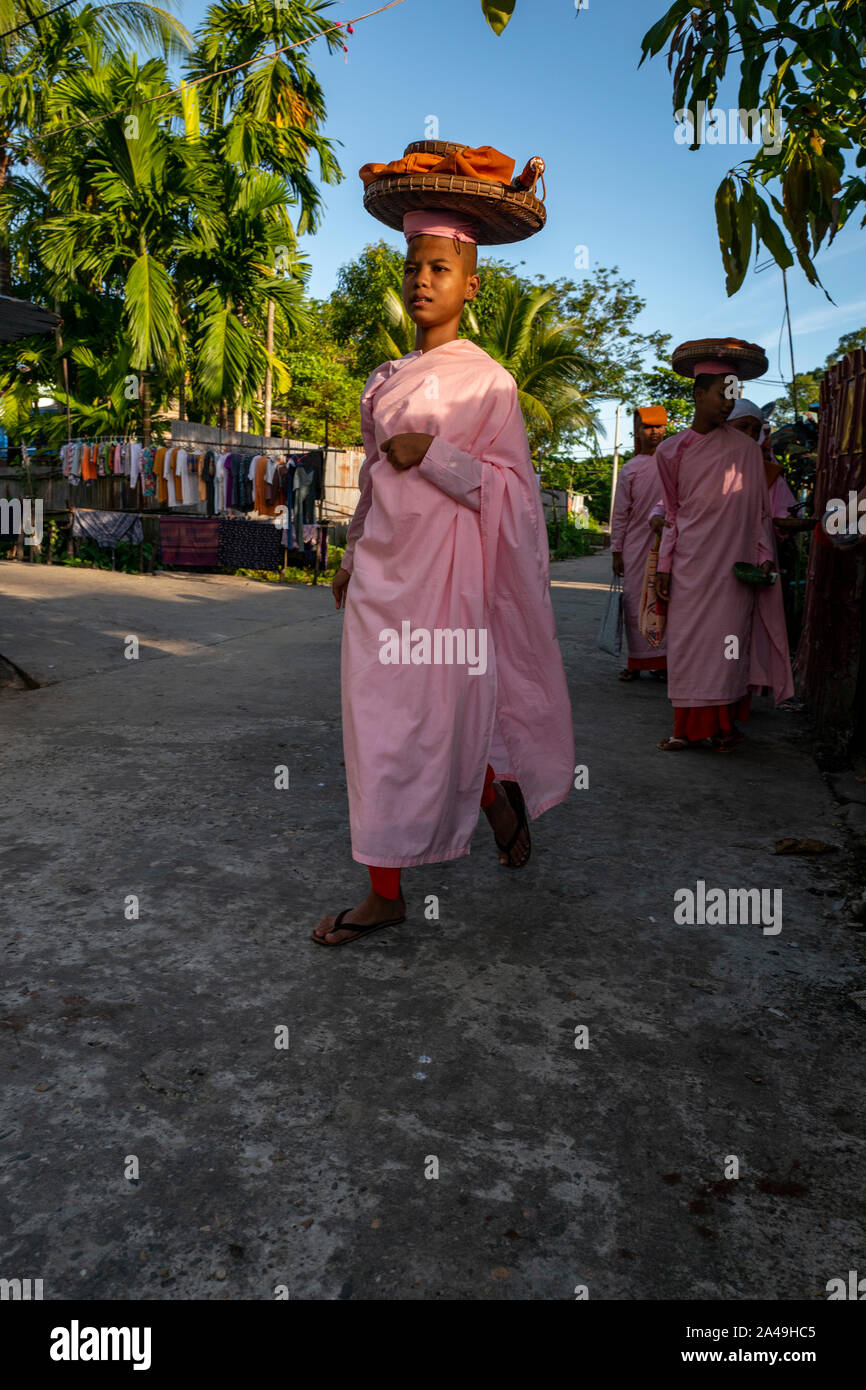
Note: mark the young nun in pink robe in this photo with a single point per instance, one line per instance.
(747, 417)
(448, 537)
(638, 493)
(726, 639)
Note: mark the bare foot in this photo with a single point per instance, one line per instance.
(373, 909)
(503, 822)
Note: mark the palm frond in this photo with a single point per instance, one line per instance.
(151, 313)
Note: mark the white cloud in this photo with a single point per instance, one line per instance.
(828, 316)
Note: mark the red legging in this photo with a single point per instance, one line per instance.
(386, 882)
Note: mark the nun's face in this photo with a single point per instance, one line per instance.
(716, 401)
(437, 279)
(748, 425)
(649, 437)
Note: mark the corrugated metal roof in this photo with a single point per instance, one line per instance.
(19, 319)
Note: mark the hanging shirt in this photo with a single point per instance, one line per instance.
(148, 478)
(159, 473)
(220, 483)
(134, 462)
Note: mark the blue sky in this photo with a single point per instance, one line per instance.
(565, 85)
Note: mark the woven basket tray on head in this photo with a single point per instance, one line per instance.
(502, 211)
(748, 360)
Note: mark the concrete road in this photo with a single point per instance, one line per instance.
(157, 1143)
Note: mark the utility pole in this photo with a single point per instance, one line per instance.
(790, 347)
(615, 463)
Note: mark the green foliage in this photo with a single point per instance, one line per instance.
(809, 383)
(802, 62)
(92, 556)
(356, 305)
(661, 386)
(161, 236)
(541, 349)
(567, 343)
(497, 13)
(296, 574)
(808, 391)
(591, 476)
(566, 540)
(849, 342)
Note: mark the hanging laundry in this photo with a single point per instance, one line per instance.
(148, 478)
(107, 528)
(304, 496)
(249, 545)
(134, 453)
(186, 540)
(207, 481)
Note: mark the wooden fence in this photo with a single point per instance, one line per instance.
(831, 656)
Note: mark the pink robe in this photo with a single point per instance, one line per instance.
(717, 500)
(458, 542)
(781, 498)
(637, 494)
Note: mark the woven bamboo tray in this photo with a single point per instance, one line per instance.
(503, 212)
(748, 359)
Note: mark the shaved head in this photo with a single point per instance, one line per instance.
(465, 251)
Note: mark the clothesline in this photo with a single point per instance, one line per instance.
(215, 542)
(225, 479)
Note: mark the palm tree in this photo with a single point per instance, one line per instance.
(164, 235)
(267, 116)
(543, 354)
(163, 254)
(228, 262)
(120, 194)
(44, 48)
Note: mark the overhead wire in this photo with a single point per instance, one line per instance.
(337, 28)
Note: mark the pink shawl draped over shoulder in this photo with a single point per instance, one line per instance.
(716, 497)
(457, 543)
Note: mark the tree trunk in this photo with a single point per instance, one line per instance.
(145, 409)
(269, 378)
(5, 254)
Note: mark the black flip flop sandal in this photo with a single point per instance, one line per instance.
(518, 806)
(353, 926)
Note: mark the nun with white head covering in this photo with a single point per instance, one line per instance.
(749, 419)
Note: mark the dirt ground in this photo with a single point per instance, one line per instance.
(157, 1143)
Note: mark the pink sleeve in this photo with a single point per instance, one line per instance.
(766, 548)
(356, 525)
(669, 496)
(621, 511)
(456, 473)
(781, 497)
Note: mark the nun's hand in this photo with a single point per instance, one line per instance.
(406, 450)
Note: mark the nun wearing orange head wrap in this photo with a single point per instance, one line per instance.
(638, 494)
